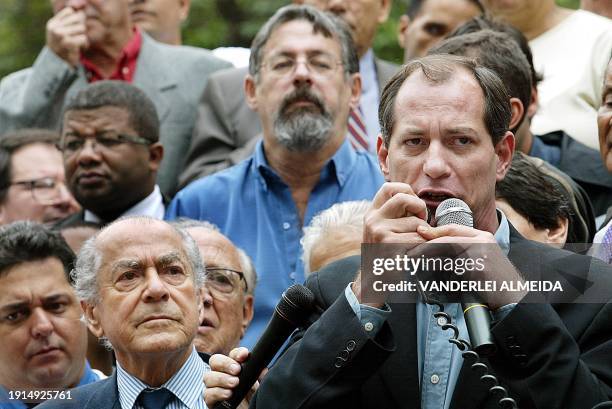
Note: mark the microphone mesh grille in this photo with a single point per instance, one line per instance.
(454, 211)
(296, 304)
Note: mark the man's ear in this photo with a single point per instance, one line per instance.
(533, 102)
(156, 154)
(504, 151)
(2, 215)
(518, 111)
(558, 235)
(247, 313)
(385, 9)
(355, 90)
(184, 6)
(404, 24)
(250, 91)
(93, 322)
(383, 156)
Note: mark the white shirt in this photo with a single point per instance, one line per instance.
(369, 97)
(152, 206)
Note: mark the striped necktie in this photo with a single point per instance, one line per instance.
(606, 243)
(357, 131)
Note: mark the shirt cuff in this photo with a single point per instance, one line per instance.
(372, 319)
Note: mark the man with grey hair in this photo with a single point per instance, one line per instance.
(333, 234)
(303, 81)
(139, 283)
(227, 295)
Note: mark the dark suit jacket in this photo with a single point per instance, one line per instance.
(226, 129)
(585, 166)
(549, 355)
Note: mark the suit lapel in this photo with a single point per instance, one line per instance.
(400, 372)
(107, 396)
(150, 78)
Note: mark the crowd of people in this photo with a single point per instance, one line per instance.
(156, 199)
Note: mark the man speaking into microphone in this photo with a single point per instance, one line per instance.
(444, 123)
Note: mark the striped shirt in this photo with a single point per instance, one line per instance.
(187, 385)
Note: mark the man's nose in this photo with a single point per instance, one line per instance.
(336, 6)
(42, 326)
(76, 4)
(302, 73)
(435, 165)
(89, 152)
(156, 289)
(207, 298)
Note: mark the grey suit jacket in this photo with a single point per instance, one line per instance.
(173, 77)
(226, 129)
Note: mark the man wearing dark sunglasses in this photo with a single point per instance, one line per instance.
(32, 183)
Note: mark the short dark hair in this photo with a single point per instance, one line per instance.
(120, 94)
(329, 25)
(25, 241)
(534, 195)
(488, 22)
(498, 52)
(14, 140)
(414, 7)
(439, 69)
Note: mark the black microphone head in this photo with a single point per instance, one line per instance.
(454, 211)
(296, 304)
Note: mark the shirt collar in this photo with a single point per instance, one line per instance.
(152, 206)
(341, 164)
(502, 234)
(126, 65)
(367, 70)
(186, 384)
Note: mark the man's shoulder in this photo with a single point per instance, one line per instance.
(101, 394)
(179, 55)
(229, 76)
(331, 280)
(15, 77)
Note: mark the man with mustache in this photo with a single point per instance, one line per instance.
(111, 151)
(303, 80)
(227, 129)
(139, 283)
(93, 40)
(43, 339)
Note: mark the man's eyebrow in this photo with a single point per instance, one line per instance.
(169, 258)
(462, 130)
(14, 306)
(55, 297)
(126, 264)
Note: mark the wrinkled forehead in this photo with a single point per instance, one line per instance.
(299, 36)
(216, 249)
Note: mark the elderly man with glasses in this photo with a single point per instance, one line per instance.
(32, 183)
(111, 152)
(227, 294)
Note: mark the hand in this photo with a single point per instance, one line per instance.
(479, 244)
(223, 377)
(67, 35)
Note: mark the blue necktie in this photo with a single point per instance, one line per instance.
(155, 398)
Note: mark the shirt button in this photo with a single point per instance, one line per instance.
(125, 70)
(435, 379)
(441, 321)
(369, 326)
(292, 275)
(286, 226)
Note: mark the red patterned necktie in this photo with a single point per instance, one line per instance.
(357, 132)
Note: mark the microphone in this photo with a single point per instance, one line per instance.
(293, 309)
(476, 313)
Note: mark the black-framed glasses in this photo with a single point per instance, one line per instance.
(224, 280)
(322, 64)
(44, 190)
(71, 143)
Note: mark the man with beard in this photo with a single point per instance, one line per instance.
(114, 174)
(303, 80)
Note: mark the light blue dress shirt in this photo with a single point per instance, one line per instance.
(253, 207)
(439, 361)
(187, 385)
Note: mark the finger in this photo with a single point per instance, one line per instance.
(63, 13)
(388, 190)
(451, 230)
(225, 364)
(214, 379)
(404, 204)
(240, 354)
(214, 395)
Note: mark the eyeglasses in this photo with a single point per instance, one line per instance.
(70, 144)
(320, 64)
(224, 281)
(44, 190)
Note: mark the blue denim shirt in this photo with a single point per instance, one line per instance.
(253, 207)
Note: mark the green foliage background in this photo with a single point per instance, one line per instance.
(211, 24)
